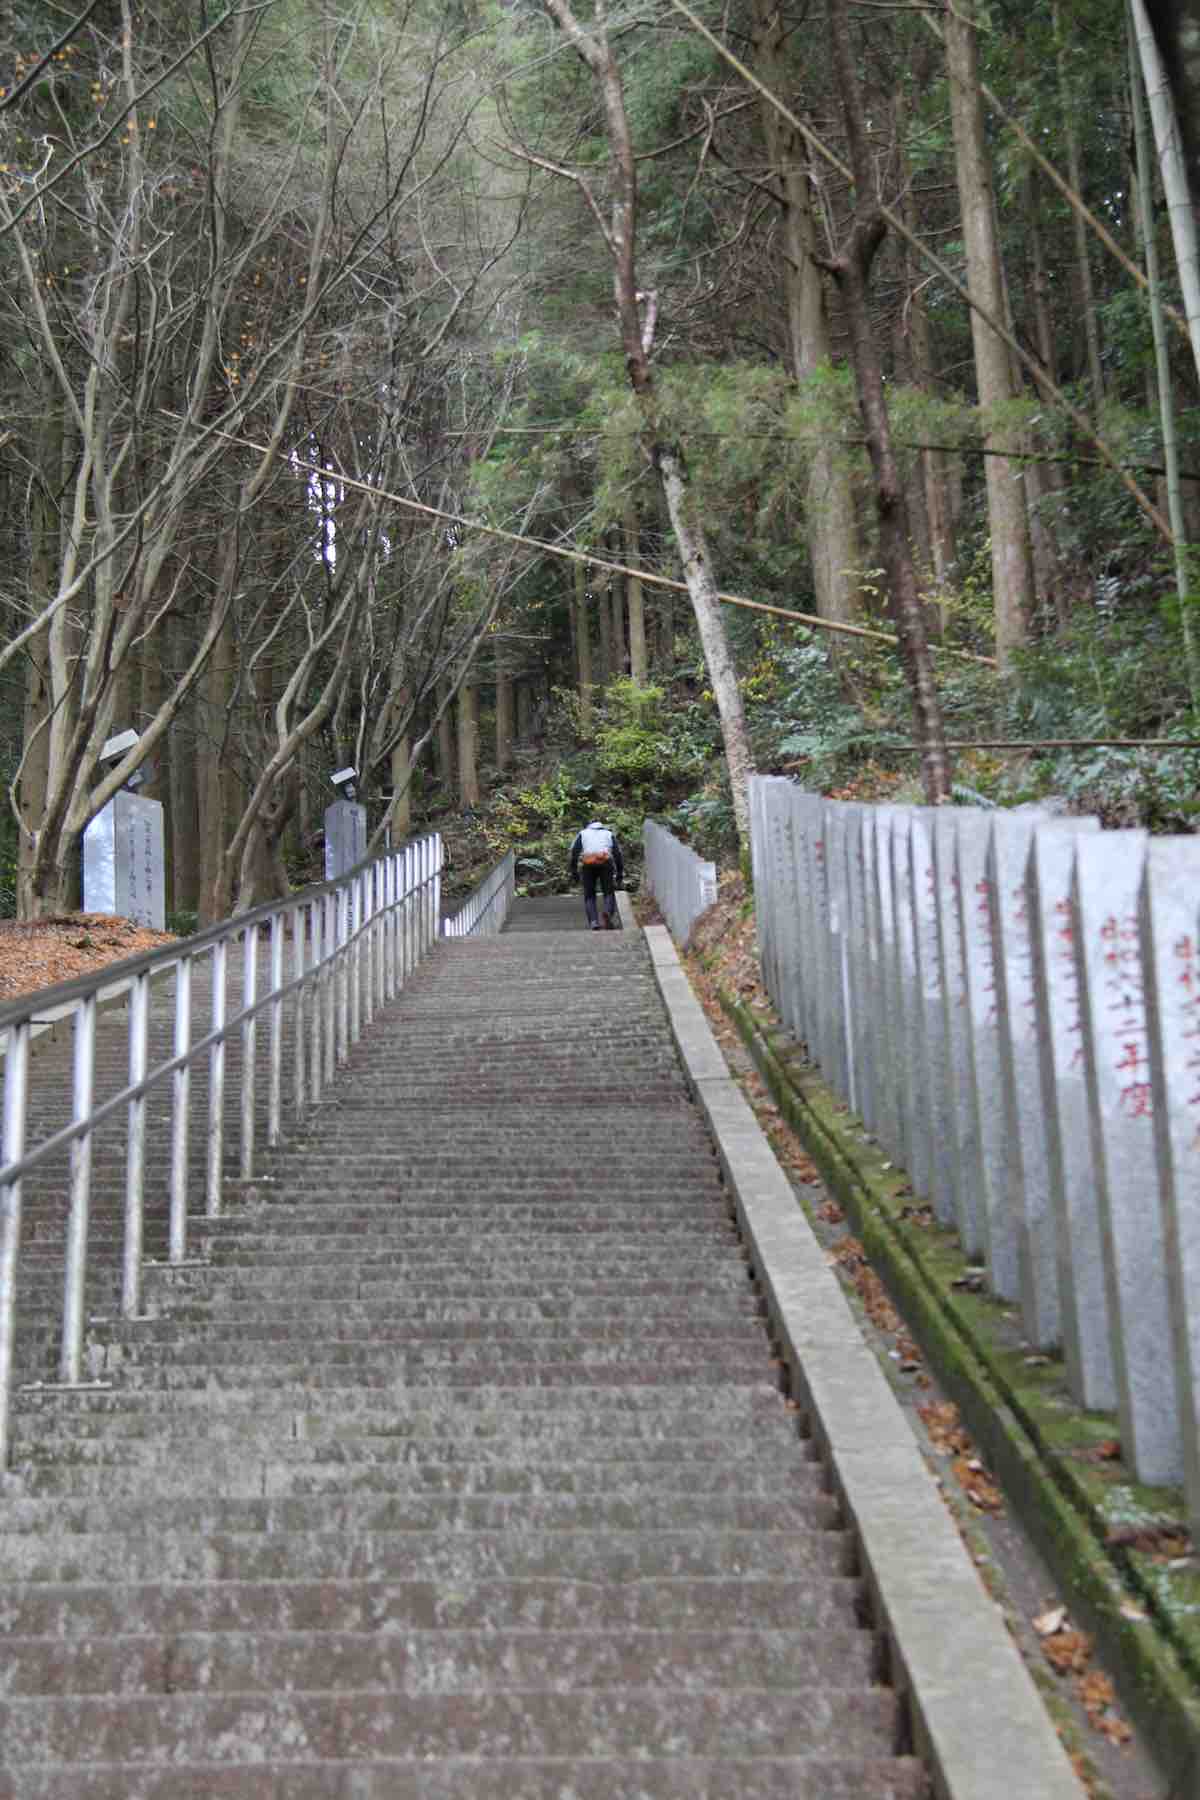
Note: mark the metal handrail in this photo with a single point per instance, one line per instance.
(486, 908)
(354, 942)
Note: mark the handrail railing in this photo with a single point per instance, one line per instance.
(682, 883)
(353, 944)
(487, 907)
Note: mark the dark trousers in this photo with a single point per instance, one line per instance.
(598, 875)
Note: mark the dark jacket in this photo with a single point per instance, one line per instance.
(618, 861)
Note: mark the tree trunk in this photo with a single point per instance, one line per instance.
(939, 518)
(1173, 167)
(504, 712)
(616, 592)
(595, 50)
(638, 664)
(468, 744)
(1012, 573)
(853, 269)
(216, 774)
(1083, 265)
(583, 641)
(829, 510)
(604, 634)
(48, 684)
(402, 773)
(445, 739)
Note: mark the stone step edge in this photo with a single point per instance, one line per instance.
(909, 1545)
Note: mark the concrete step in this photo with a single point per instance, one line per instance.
(460, 1469)
(559, 1367)
(497, 1778)
(438, 1662)
(450, 1556)
(304, 1472)
(804, 1508)
(679, 1409)
(87, 1611)
(601, 1318)
(844, 1723)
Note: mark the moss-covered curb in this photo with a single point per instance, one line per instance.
(1143, 1613)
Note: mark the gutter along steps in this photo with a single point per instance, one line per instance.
(461, 1469)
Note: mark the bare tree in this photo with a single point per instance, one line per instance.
(178, 297)
(637, 315)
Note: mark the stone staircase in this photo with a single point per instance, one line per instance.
(462, 1469)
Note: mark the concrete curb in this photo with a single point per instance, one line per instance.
(977, 1718)
(1108, 1593)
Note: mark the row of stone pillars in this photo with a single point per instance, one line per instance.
(1011, 1003)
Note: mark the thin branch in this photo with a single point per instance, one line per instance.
(553, 168)
(614, 568)
(23, 86)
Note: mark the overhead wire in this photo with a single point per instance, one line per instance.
(608, 564)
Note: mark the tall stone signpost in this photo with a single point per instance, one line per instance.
(345, 837)
(123, 861)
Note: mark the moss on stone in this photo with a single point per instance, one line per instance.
(1143, 1610)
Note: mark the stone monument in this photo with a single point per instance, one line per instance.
(345, 828)
(123, 854)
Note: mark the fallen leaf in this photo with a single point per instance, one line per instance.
(1096, 1694)
(1068, 1652)
(1048, 1624)
(977, 1484)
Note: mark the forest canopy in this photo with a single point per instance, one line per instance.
(426, 388)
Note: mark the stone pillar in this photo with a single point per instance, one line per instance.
(345, 837)
(1106, 895)
(124, 861)
(777, 909)
(933, 1118)
(1170, 920)
(888, 1084)
(983, 1064)
(962, 1152)
(908, 1027)
(1026, 1174)
(807, 815)
(840, 1066)
(1083, 1295)
(862, 996)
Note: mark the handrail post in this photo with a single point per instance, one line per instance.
(390, 922)
(249, 1051)
(434, 911)
(329, 970)
(300, 923)
(408, 913)
(368, 925)
(180, 1111)
(16, 1082)
(316, 992)
(275, 1074)
(355, 967)
(135, 1172)
(216, 1086)
(342, 954)
(75, 1270)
